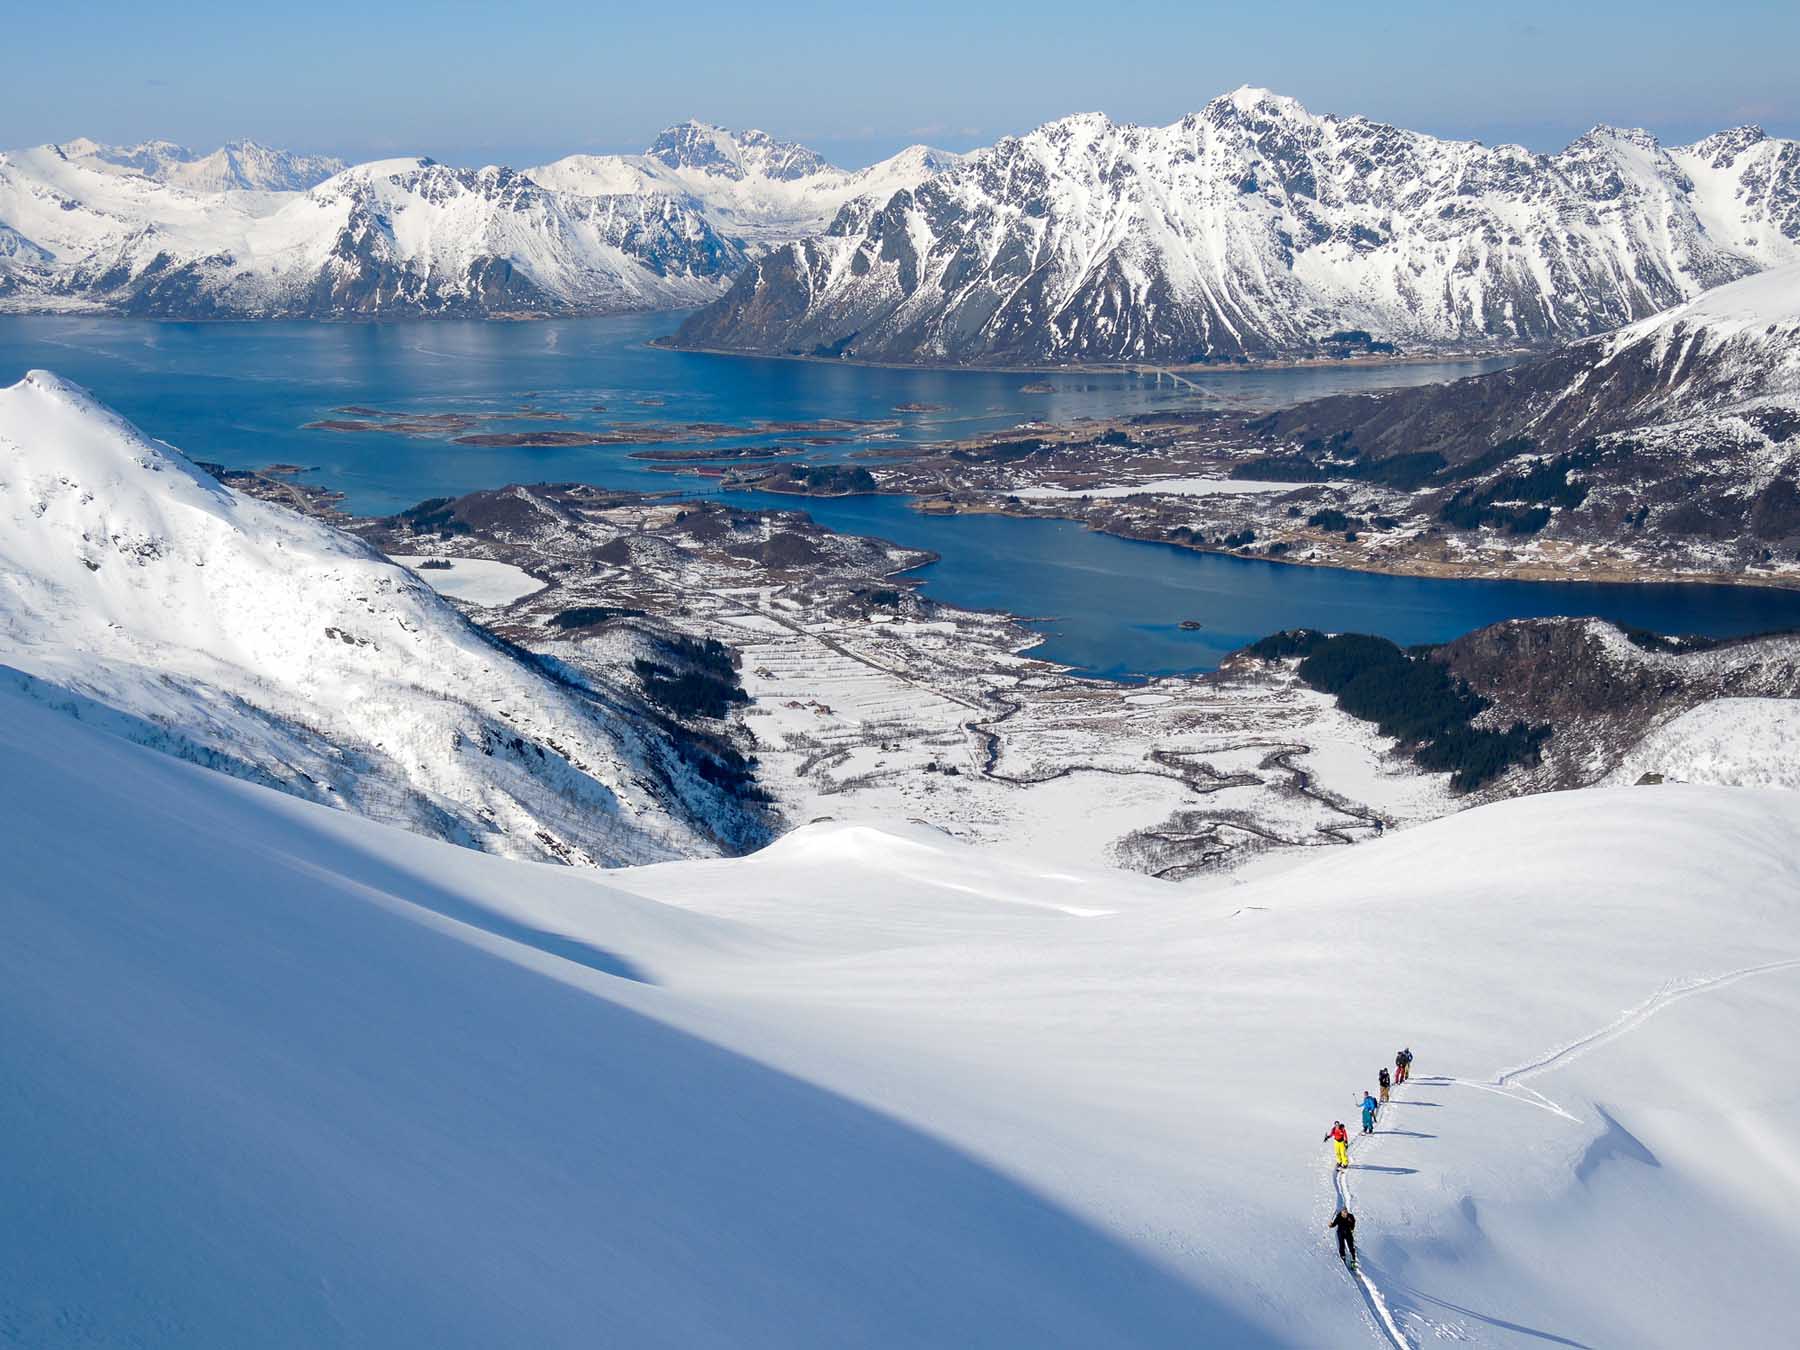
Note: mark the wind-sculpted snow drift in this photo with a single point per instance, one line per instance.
(1254, 228)
(278, 1075)
(138, 592)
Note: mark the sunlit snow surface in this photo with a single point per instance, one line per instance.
(1733, 742)
(277, 1075)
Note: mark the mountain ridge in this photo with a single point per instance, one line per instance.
(1255, 229)
(157, 231)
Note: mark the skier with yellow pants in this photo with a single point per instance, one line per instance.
(1340, 1143)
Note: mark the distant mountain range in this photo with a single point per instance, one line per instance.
(241, 166)
(1255, 229)
(246, 232)
(752, 189)
(1249, 229)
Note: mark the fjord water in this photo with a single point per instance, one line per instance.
(241, 394)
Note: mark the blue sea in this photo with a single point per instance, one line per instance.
(242, 394)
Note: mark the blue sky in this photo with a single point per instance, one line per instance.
(529, 81)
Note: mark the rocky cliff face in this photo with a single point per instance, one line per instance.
(1254, 228)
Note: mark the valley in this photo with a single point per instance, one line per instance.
(794, 738)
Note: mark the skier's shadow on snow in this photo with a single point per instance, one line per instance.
(1409, 1134)
(1391, 1171)
(1410, 1102)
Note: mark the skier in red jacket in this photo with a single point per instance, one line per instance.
(1340, 1142)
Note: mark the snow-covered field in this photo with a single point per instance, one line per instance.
(479, 581)
(883, 722)
(323, 1082)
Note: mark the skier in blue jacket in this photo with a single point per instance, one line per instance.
(1369, 1107)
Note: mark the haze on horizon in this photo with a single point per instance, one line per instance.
(464, 85)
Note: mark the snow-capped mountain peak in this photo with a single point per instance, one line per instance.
(710, 149)
(1720, 148)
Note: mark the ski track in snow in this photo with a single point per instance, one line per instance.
(1633, 1018)
(1377, 1305)
(1507, 1084)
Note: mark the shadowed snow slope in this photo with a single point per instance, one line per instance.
(278, 1075)
(136, 589)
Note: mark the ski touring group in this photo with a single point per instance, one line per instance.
(1344, 1222)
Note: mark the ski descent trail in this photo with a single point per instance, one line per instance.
(1509, 1083)
(1632, 1018)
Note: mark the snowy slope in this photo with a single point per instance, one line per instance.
(137, 592)
(394, 237)
(1731, 742)
(750, 187)
(318, 1082)
(1254, 228)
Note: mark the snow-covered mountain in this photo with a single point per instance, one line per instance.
(396, 237)
(1670, 443)
(248, 232)
(752, 188)
(279, 1076)
(1731, 351)
(234, 166)
(139, 593)
(1255, 228)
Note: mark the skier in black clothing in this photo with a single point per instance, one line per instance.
(1345, 1223)
(1386, 1081)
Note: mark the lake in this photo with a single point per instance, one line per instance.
(241, 394)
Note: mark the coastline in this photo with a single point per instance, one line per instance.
(1143, 369)
(1425, 568)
